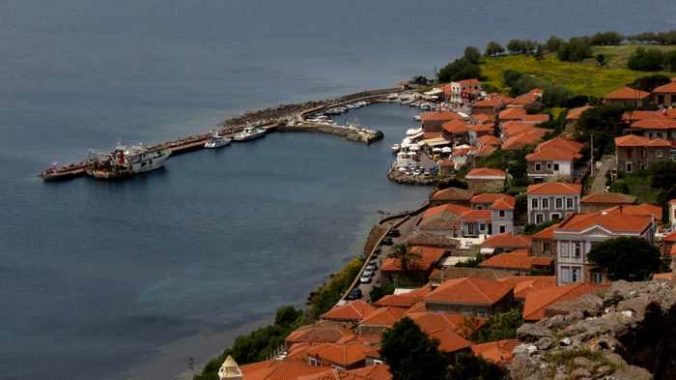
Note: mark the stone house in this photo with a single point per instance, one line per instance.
(628, 96)
(601, 201)
(665, 95)
(553, 159)
(577, 234)
(634, 153)
(431, 122)
(551, 201)
(543, 244)
(486, 180)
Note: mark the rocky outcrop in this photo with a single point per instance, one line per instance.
(628, 332)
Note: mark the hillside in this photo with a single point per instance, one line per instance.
(583, 78)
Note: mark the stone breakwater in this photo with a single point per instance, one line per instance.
(627, 332)
(360, 135)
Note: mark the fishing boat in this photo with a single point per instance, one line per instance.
(249, 133)
(217, 141)
(125, 161)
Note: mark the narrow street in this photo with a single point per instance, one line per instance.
(599, 183)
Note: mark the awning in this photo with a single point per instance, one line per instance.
(487, 251)
(435, 141)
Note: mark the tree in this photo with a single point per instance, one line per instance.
(646, 60)
(472, 54)
(379, 292)
(601, 59)
(420, 79)
(499, 326)
(650, 82)
(459, 69)
(494, 49)
(408, 259)
(553, 44)
(469, 366)
(577, 49)
(626, 258)
(411, 354)
(663, 175)
(604, 123)
(607, 38)
(515, 46)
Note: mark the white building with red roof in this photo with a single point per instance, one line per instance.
(576, 235)
(463, 92)
(553, 158)
(551, 201)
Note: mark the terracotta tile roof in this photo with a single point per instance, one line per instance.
(608, 221)
(553, 154)
(439, 116)
(383, 316)
(486, 173)
(671, 237)
(455, 127)
(487, 198)
(482, 128)
(431, 240)
(576, 113)
(562, 143)
(605, 198)
(668, 276)
(527, 98)
(669, 88)
(554, 188)
(476, 216)
(508, 241)
(485, 150)
(633, 140)
(452, 194)
(523, 285)
(524, 139)
(538, 301)
(626, 93)
(653, 124)
(546, 234)
(630, 116)
(468, 82)
(513, 128)
(535, 118)
(318, 332)
(280, 370)
(351, 311)
(446, 328)
(498, 352)
(516, 260)
(372, 372)
(344, 355)
(441, 275)
(493, 100)
(470, 291)
(672, 201)
(488, 140)
(405, 300)
(512, 113)
(481, 118)
(642, 209)
(428, 257)
(507, 202)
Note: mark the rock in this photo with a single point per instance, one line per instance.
(523, 367)
(565, 341)
(544, 343)
(631, 372)
(582, 362)
(604, 370)
(531, 332)
(579, 373)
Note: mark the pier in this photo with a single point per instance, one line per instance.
(284, 118)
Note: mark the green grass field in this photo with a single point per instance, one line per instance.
(582, 78)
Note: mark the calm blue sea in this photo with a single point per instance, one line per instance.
(130, 279)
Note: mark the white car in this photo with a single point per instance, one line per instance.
(364, 279)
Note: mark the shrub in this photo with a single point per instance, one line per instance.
(575, 50)
(411, 354)
(626, 258)
(472, 54)
(494, 49)
(650, 82)
(459, 69)
(499, 326)
(554, 43)
(607, 38)
(646, 60)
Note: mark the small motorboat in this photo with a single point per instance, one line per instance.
(249, 133)
(395, 148)
(416, 117)
(217, 141)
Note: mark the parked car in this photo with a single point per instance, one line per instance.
(394, 233)
(355, 294)
(364, 279)
(387, 241)
(372, 266)
(367, 272)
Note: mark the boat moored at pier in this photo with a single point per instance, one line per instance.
(217, 141)
(125, 161)
(249, 133)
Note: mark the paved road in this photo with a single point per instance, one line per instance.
(599, 184)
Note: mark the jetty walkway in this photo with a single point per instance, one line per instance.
(284, 118)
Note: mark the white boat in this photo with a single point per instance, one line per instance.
(125, 161)
(416, 117)
(217, 141)
(395, 148)
(413, 131)
(249, 133)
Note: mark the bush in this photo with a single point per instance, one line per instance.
(650, 82)
(459, 69)
(494, 49)
(647, 60)
(469, 366)
(516, 46)
(379, 292)
(576, 101)
(663, 175)
(329, 293)
(411, 354)
(661, 38)
(472, 54)
(575, 50)
(531, 229)
(607, 38)
(605, 123)
(499, 326)
(554, 43)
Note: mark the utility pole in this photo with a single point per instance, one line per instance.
(591, 154)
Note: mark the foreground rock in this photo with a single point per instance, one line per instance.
(628, 332)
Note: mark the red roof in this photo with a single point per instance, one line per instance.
(371, 372)
(561, 143)
(318, 332)
(538, 301)
(485, 173)
(487, 198)
(513, 128)
(608, 221)
(469, 291)
(498, 352)
(446, 328)
(640, 141)
(468, 82)
(428, 257)
(627, 93)
(517, 260)
(344, 355)
(669, 88)
(508, 241)
(605, 198)
(576, 113)
(493, 100)
(553, 154)
(523, 285)
(546, 234)
(447, 208)
(476, 216)
(481, 118)
(512, 113)
(455, 127)
(350, 311)
(280, 370)
(524, 139)
(653, 124)
(630, 116)
(452, 194)
(554, 188)
(488, 140)
(439, 116)
(536, 118)
(383, 316)
(642, 209)
(405, 300)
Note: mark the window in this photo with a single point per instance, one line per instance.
(559, 203)
(501, 213)
(546, 247)
(549, 165)
(502, 228)
(644, 153)
(556, 167)
(534, 203)
(539, 218)
(642, 166)
(569, 203)
(628, 167)
(564, 249)
(577, 250)
(597, 277)
(576, 274)
(565, 274)
(555, 216)
(538, 166)
(482, 227)
(545, 203)
(470, 229)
